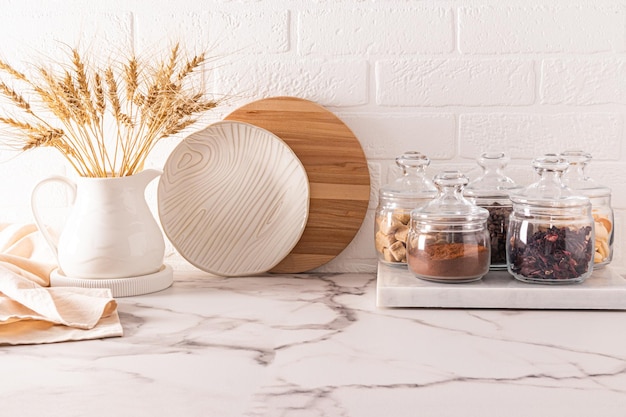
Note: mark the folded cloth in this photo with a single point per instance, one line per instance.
(33, 312)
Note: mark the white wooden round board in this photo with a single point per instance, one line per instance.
(233, 199)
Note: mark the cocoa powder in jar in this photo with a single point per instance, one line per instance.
(456, 262)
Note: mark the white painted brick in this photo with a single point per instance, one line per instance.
(37, 36)
(245, 31)
(531, 135)
(250, 31)
(387, 135)
(454, 82)
(329, 83)
(20, 172)
(157, 27)
(375, 31)
(541, 28)
(583, 81)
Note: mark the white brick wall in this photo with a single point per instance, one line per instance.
(582, 81)
(521, 27)
(448, 82)
(448, 78)
(367, 30)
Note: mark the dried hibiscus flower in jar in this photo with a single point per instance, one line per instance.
(555, 254)
(550, 237)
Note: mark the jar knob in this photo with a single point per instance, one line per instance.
(412, 160)
(578, 161)
(550, 162)
(576, 156)
(491, 160)
(451, 179)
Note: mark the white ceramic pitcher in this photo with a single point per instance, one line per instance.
(110, 231)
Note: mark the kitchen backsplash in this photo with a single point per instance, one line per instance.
(448, 78)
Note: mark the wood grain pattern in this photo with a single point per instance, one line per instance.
(337, 170)
(233, 199)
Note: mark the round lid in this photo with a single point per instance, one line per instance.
(549, 190)
(576, 178)
(492, 182)
(413, 183)
(450, 206)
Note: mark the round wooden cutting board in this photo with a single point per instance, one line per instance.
(335, 165)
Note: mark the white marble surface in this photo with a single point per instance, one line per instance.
(318, 346)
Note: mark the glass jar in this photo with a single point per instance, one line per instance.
(448, 240)
(491, 190)
(550, 236)
(600, 197)
(396, 200)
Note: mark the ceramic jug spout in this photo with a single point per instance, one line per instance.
(147, 175)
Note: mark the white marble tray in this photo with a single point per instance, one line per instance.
(397, 287)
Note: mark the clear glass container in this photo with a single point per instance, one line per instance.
(600, 197)
(550, 238)
(491, 190)
(396, 200)
(448, 240)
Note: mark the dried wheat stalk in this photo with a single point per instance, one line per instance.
(106, 120)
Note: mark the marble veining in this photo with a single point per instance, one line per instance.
(317, 345)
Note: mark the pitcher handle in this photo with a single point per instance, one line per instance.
(40, 224)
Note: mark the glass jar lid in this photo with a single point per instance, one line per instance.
(549, 190)
(413, 184)
(576, 178)
(449, 206)
(492, 182)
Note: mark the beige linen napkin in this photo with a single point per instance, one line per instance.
(31, 311)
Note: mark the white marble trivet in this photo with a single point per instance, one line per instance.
(397, 287)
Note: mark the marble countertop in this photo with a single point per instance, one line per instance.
(317, 345)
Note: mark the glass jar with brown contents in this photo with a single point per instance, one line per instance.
(551, 235)
(448, 240)
(396, 200)
(600, 197)
(491, 190)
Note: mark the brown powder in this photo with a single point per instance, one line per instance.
(450, 261)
